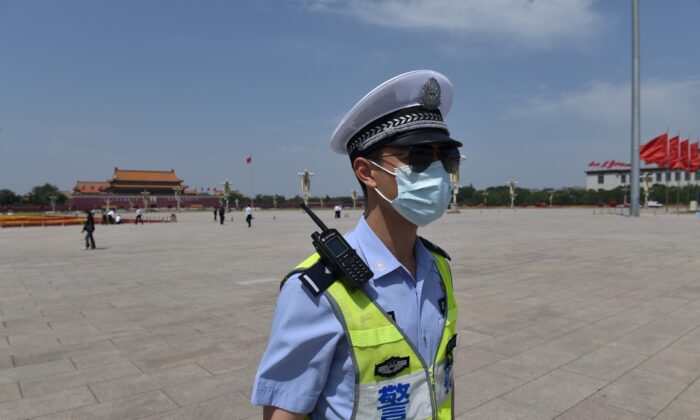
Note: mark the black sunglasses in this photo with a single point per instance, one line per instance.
(420, 156)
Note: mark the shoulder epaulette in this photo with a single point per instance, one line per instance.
(290, 274)
(316, 278)
(432, 247)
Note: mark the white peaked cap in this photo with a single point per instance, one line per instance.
(417, 100)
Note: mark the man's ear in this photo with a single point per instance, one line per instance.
(363, 172)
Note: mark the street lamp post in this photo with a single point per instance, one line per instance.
(646, 178)
(146, 195)
(353, 194)
(454, 180)
(511, 191)
(227, 193)
(52, 199)
(305, 184)
(178, 197)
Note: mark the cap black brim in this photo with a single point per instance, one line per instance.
(427, 136)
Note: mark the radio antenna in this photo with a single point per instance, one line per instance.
(314, 217)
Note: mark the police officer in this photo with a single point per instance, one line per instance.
(383, 350)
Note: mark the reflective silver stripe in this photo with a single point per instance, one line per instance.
(311, 282)
(339, 315)
(418, 407)
(443, 383)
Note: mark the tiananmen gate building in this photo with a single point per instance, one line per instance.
(127, 181)
(130, 188)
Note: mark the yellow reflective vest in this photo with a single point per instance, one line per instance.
(391, 379)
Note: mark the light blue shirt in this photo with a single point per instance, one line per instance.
(307, 366)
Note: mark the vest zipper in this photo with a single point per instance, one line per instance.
(437, 353)
(433, 395)
(428, 369)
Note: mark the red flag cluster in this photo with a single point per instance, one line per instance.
(609, 164)
(671, 153)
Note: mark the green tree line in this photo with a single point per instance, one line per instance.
(499, 196)
(38, 195)
(467, 196)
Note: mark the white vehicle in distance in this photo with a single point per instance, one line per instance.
(655, 204)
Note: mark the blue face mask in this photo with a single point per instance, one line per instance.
(422, 197)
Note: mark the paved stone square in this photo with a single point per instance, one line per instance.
(563, 314)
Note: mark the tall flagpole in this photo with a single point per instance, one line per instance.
(634, 192)
(678, 175)
(687, 172)
(251, 180)
(667, 173)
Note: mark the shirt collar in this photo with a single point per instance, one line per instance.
(378, 257)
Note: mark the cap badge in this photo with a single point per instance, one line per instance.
(430, 94)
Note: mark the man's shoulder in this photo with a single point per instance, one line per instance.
(434, 248)
(297, 298)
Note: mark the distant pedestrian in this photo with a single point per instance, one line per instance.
(248, 215)
(139, 214)
(110, 217)
(216, 213)
(118, 219)
(104, 216)
(222, 212)
(89, 228)
(338, 209)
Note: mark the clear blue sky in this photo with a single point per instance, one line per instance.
(541, 87)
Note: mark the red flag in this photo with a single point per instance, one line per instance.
(685, 154)
(672, 155)
(678, 159)
(653, 144)
(694, 157)
(249, 159)
(653, 147)
(659, 157)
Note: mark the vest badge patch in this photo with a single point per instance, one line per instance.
(391, 366)
(449, 350)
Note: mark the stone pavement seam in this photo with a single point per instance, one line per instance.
(524, 385)
(679, 394)
(668, 345)
(563, 367)
(162, 389)
(612, 407)
(579, 373)
(171, 397)
(569, 332)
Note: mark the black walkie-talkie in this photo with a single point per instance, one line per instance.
(338, 254)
